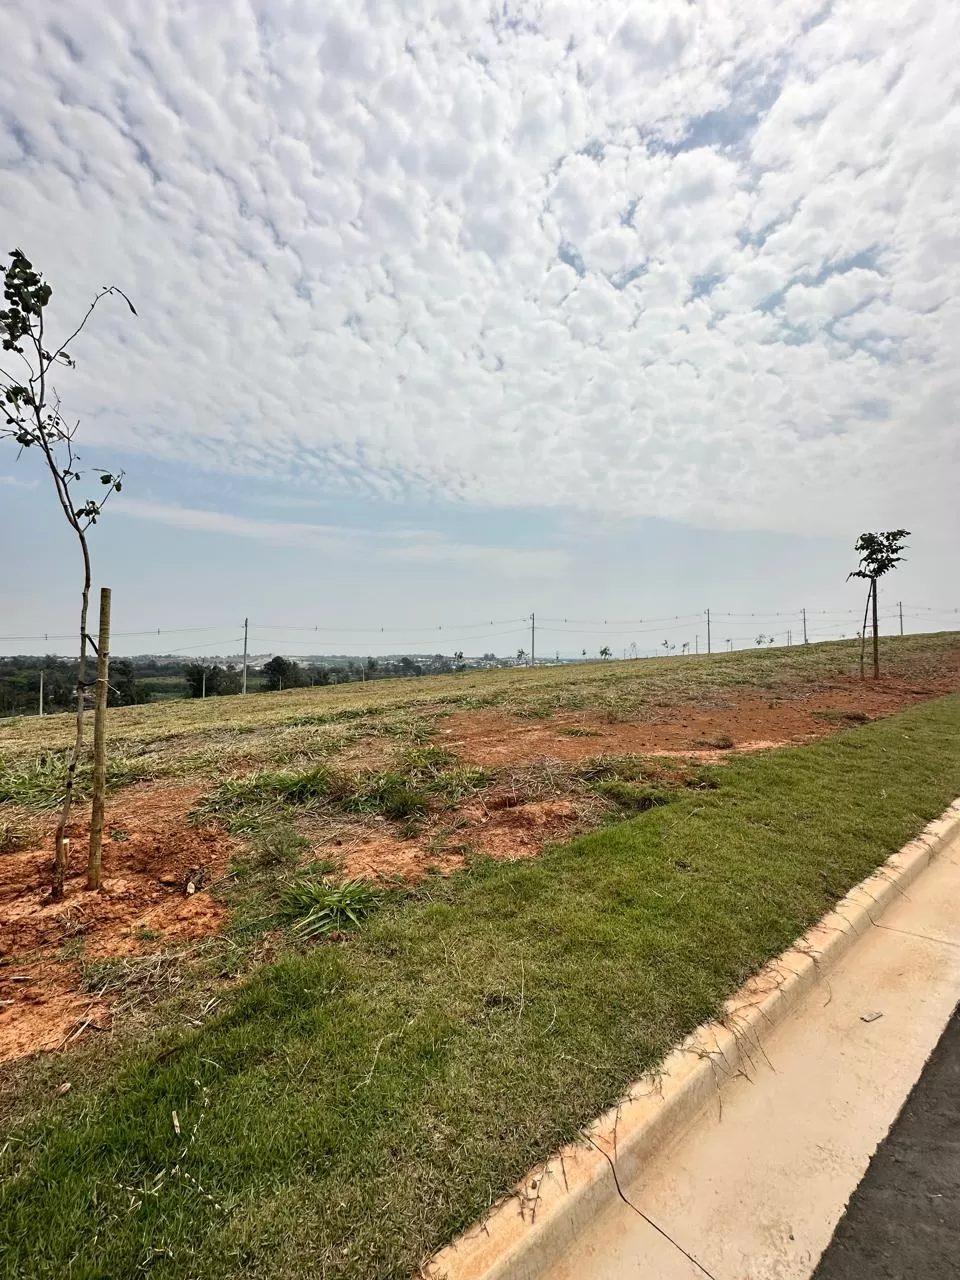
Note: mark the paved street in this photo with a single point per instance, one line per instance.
(903, 1221)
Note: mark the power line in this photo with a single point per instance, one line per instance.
(207, 644)
(71, 635)
(467, 632)
(443, 626)
(625, 622)
(271, 626)
(267, 641)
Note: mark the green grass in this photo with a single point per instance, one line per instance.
(356, 1104)
(278, 847)
(255, 885)
(423, 779)
(37, 781)
(248, 805)
(318, 907)
(633, 797)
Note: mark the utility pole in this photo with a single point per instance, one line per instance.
(789, 636)
(243, 682)
(203, 688)
(709, 649)
(100, 742)
(41, 673)
(805, 640)
(899, 606)
(533, 639)
(697, 648)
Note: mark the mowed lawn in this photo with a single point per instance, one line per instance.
(359, 1103)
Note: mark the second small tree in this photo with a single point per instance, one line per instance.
(879, 553)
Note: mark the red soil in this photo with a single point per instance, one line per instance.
(142, 905)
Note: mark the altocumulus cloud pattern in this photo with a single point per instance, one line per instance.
(687, 260)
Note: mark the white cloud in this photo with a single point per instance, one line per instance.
(652, 259)
(281, 532)
(839, 296)
(398, 545)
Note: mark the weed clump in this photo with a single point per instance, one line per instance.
(723, 742)
(633, 797)
(842, 717)
(278, 847)
(38, 782)
(317, 908)
(17, 834)
(248, 805)
(614, 768)
(424, 778)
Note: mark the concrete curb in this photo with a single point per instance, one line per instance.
(529, 1231)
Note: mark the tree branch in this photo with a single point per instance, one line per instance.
(109, 289)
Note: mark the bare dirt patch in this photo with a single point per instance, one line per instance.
(386, 857)
(492, 827)
(522, 811)
(521, 830)
(740, 719)
(150, 854)
(42, 1007)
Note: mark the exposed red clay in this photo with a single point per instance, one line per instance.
(148, 852)
(747, 719)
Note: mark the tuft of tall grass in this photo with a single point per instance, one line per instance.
(424, 778)
(36, 781)
(320, 907)
(17, 833)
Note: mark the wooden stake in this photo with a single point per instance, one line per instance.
(876, 634)
(100, 742)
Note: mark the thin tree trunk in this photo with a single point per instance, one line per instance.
(60, 854)
(863, 629)
(49, 432)
(100, 742)
(876, 636)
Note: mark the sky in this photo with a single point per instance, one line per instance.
(452, 313)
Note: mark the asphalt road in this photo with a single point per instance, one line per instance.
(903, 1221)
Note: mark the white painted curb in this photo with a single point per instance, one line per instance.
(529, 1231)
